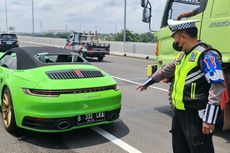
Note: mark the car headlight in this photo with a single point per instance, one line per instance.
(41, 93)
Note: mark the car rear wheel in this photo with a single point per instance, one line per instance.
(8, 112)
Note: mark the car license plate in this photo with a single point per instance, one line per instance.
(9, 42)
(90, 118)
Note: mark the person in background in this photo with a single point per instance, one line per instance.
(189, 14)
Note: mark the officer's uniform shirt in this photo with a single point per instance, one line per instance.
(211, 67)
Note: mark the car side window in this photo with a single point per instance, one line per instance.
(9, 61)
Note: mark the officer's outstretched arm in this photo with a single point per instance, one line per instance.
(165, 72)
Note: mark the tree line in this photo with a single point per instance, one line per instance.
(130, 36)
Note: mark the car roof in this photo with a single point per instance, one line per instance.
(12, 34)
(26, 56)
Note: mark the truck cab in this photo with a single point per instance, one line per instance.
(213, 22)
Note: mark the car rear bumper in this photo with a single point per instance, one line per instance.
(64, 124)
(44, 114)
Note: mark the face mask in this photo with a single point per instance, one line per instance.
(177, 47)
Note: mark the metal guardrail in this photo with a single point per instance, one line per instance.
(142, 50)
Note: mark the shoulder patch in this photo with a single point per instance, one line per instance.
(212, 68)
(210, 61)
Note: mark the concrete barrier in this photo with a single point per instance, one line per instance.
(142, 50)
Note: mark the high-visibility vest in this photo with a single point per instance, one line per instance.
(190, 89)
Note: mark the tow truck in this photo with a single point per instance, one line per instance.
(213, 24)
(87, 45)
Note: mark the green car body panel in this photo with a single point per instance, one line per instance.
(67, 105)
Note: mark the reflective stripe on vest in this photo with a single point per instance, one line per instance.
(184, 65)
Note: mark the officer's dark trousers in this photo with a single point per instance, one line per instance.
(187, 136)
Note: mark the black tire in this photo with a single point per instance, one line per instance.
(100, 58)
(8, 112)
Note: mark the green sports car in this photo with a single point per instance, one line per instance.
(51, 89)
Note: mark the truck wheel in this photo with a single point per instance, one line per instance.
(8, 112)
(100, 58)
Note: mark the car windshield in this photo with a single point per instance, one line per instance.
(8, 36)
(59, 58)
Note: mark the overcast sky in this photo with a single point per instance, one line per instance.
(106, 16)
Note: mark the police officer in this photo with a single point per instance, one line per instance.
(198, 84)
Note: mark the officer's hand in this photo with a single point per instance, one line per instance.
(208, 128)
(165, 80)
(141, 87)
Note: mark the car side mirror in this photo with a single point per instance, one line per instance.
(146, 16)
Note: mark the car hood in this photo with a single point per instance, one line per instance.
(65, 77)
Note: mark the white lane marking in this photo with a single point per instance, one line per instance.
(115, 140)
(120, 56)
(139, 83)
